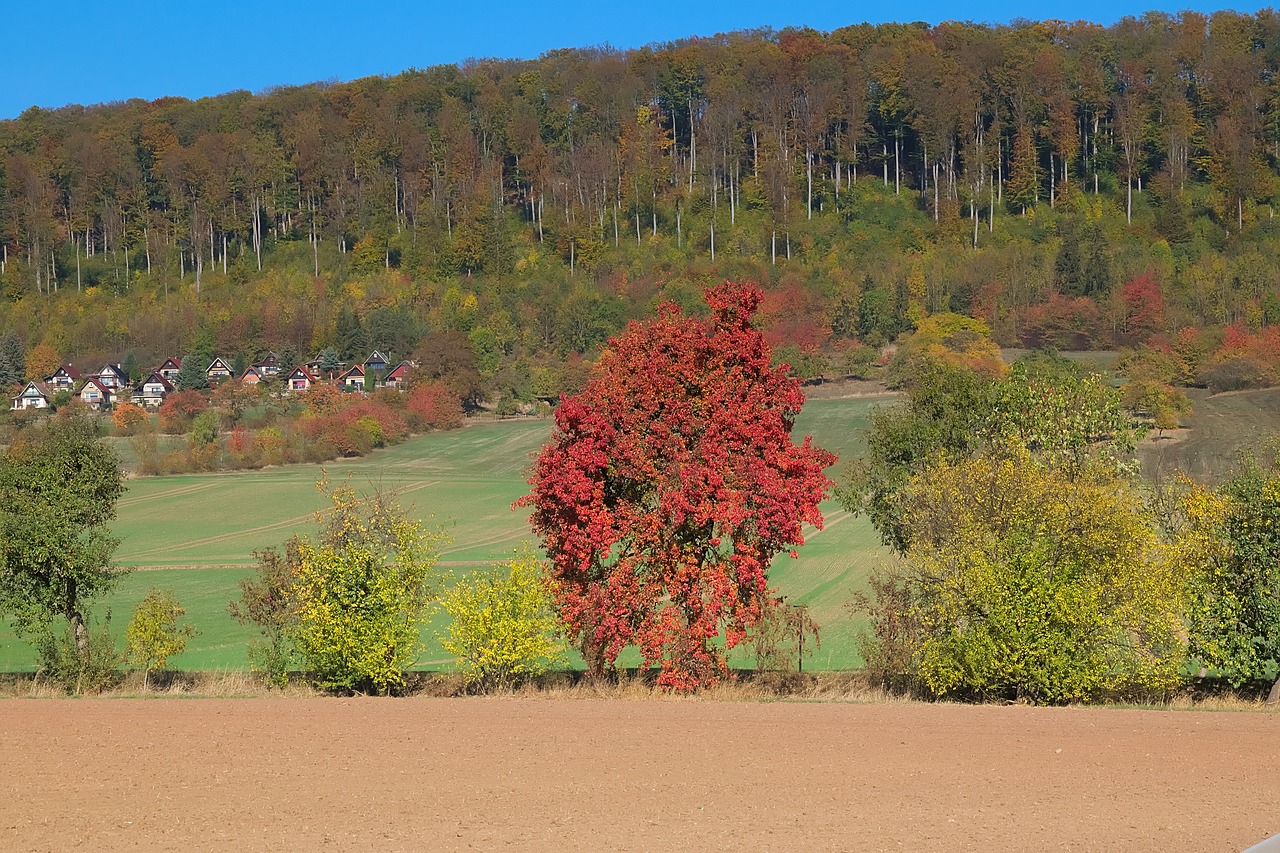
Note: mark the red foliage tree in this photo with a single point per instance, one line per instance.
(1143, 305)
(179, 409)
(670, 484)
(433, 405)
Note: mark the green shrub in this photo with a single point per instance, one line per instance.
(94, 670)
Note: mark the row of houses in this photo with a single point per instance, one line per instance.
(110, 384)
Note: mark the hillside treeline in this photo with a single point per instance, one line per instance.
(1022, 174)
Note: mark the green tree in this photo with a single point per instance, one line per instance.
(13, 362)
(330, 364)
(267, 601)
(361, 592)
(504, 628)
(204, 429)
(1044, 405)
(352, 343)
(131, 368)
(58, 492)
(1023, 581)
(191, 375)
(155, 632)
(1232, 536)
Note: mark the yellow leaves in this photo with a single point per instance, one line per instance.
(1034, 584)
(362, 590)
(503, 626)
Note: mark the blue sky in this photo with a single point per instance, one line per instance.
(88, 52)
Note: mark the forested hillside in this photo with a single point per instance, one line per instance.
(1071, 184)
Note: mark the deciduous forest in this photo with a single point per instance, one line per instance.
(1071, 184)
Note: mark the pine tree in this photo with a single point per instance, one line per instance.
(350, 334)
(13, 361)
(131, 368)
(191, 377)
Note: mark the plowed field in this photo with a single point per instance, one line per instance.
(551, 774)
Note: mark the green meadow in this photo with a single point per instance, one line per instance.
(196, 534)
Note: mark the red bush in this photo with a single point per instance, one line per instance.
(432, 405)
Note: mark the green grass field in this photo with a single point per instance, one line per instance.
(196, 534)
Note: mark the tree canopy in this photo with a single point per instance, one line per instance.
(58, 491)
(670, 484)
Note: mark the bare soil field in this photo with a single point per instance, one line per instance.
(557, 774)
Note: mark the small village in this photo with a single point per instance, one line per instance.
(110, 385)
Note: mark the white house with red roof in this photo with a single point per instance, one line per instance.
(65, 377)
(300, 379)
(95, 395)
(170, 369)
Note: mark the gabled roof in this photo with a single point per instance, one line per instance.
(155, 377)
(400, 371)
(170, 364)
(248, 370)
(375, 357)
(268, 360)
(39, 387)
(219, 361)
(302, 372)
(65, 370)
(93, 380)
(357, 370)
(114, 370)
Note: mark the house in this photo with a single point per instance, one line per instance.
(252, 376)
(94, 394)
(170, 369)
(65, 378)
(218, 370)
(353, 378)
(399, 376)
(36, 395)
(111, 377)
(151, 392)
(300, 379)
(375, 363)
(268, 366)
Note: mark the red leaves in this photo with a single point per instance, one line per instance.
(669, 485)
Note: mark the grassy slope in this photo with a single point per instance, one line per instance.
(196, 534)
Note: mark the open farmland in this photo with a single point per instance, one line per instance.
(1219, 430)
(557, 774)
(196, 534)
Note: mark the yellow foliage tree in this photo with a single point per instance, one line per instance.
(1028, 582)
(504, 627)
(154, 633)
(361, 592)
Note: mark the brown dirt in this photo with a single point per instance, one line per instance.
(531, 773)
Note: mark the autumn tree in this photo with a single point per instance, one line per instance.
(156, 632)
(503, 628)
(360, 593)
(670, 484)
(1232, 537)
(1022, 581)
